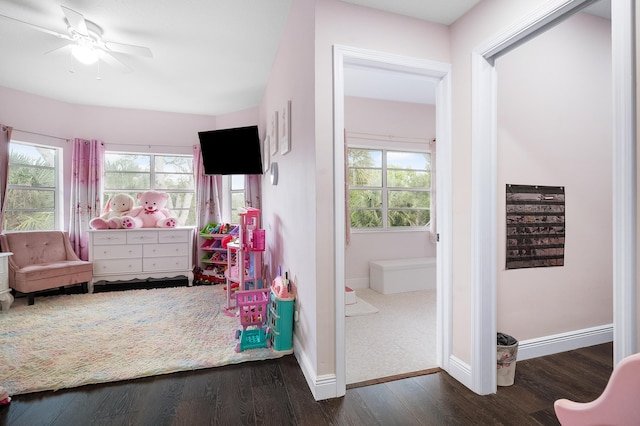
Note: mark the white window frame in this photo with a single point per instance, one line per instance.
(385, 189)
(227, 205)
(58, 196)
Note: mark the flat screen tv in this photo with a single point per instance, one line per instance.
(231, 151)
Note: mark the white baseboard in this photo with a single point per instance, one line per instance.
(322, 387)
(459, 370)
(325, 387)
(547, 345)
(356, 283)
(553, 344)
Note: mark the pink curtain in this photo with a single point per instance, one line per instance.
(87, 171)
(253, 190)
(5, 137)
(208, 191)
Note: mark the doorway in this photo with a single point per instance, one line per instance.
(484, 190)
(440, 73)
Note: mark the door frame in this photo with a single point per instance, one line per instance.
(346, 56)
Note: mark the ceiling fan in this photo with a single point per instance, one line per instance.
(86, 43)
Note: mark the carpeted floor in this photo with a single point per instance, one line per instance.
(398, 340)
(73, 340)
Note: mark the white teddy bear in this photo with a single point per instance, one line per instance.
(118, 206)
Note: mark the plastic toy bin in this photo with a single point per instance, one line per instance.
(281, 322)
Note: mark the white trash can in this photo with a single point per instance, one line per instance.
(507, 353)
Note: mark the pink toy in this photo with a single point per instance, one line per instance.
(118, 206)
(280, 287)
(151, 213)
(4, 396)
(617, 405)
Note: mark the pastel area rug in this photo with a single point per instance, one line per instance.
(73, 340)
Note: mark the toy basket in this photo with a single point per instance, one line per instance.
(253, 307)
(253, 310)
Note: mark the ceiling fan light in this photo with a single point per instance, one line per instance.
(84, 54)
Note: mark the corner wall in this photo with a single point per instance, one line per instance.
(555, 129)
(289, 208)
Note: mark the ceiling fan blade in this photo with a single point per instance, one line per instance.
(129, 49)
(113, 61)
(39, 28)
(75, 20)
(66, 46)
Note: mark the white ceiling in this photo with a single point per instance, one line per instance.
(440, 11)
(210, 57)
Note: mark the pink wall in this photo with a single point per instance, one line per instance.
(556, 130)
(637, 23)
(400, 120)
(120, 129)
(289, 208)
(485, 21)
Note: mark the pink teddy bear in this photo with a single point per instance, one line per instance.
(151, 213)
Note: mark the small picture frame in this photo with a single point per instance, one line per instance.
(273, 134)
(285, 128)
(266, 157)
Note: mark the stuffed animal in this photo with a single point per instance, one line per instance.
(4, 396)
(119, 205)
(151, 213)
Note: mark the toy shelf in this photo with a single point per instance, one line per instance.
(214, 259)
(212, 255)
(213, 243)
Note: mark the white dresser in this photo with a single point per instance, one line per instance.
(124, 254)
(6, 298)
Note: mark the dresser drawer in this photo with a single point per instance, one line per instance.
(117, 266)
(174, 236)
(117, 252)
(142, 237)
(107, 238)
(165, 250)
(174, 263)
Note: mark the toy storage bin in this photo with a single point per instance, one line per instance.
(281, 322)
(252, 306)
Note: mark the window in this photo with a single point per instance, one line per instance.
(33, 196)
(389, 189)
(234, 198)
(133, 173)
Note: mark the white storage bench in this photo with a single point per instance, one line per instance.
(402, 275)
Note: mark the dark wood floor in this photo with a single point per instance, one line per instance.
(275, 392)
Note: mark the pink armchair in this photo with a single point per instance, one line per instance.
(43, 260)
(618, 405)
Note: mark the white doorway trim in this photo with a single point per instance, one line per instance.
(484, 183)
(346, 56)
